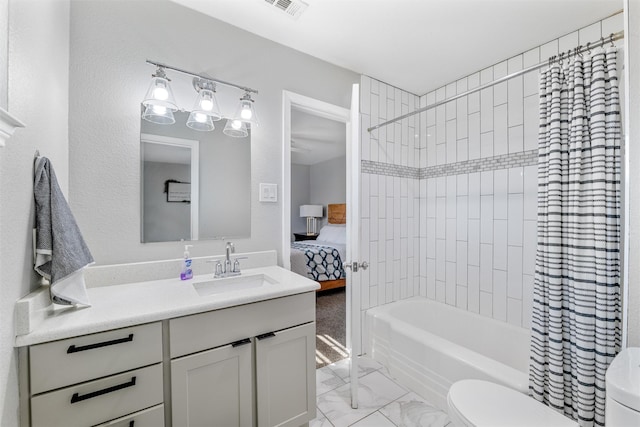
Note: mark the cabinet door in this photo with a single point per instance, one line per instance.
(213, 388)
(286, 377)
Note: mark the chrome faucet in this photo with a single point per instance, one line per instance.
(227, 262)
(228, 268)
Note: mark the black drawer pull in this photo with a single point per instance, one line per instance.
(131, 423)
(267, 335)
(77, 398)
(74, 349)
(241, 342)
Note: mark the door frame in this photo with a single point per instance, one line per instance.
(352, 124)
(317, 108)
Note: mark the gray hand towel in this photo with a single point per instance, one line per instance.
(61, 253)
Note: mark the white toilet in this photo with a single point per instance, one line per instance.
(623, 389)
(482, 403)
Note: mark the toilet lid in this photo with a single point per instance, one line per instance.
(482, 403)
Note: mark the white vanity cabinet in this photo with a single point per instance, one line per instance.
(97, 378)
(286, 376)
(245, 366)
(173, 357)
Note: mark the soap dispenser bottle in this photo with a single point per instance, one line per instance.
(186, 273)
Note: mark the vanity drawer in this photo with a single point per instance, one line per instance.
(152, 417)
(98, 401)
(61, 363)
(198, 332)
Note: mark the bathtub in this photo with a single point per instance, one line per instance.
(427, 346)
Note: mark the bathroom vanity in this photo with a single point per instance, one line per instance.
(175, 353)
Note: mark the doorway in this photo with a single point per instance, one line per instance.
(318, 182)
(351, 118)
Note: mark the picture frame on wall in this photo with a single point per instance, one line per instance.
(179, 192)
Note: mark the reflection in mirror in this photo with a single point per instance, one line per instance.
(215, 168)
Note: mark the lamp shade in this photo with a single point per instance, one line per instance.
(160, 94)
(158, 114)
(200, 121)
(314, 211)
(246, 112)
(235, 128)
(206, 103)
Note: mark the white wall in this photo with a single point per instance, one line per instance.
(4, 48)
(328, 184)
(633, 38)
(38, 94)
(110, 41)
(300, 195)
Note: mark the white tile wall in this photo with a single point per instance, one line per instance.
(468, 240)
(391, 223)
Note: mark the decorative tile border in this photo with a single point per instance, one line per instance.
(504, 161)
(388, 169)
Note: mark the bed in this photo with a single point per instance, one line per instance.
(321, 259)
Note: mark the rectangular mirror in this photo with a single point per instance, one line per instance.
(195, 185)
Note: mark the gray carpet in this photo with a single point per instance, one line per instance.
(330, 327)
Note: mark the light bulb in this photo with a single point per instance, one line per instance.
(159, 109)
(246, 111)
(200, 118)
(236, 124)
(160, 93)
(206, 105)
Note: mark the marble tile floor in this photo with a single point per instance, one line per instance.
(382, 401)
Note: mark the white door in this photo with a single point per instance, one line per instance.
(353, 263)
(352, 119)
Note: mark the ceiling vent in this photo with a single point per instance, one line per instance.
(293, 8)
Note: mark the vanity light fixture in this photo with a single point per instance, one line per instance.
(159, 101)
(159, 92)
(235, 128)
(160, 104)
(205, 109)
(246, 112)
(158, 114)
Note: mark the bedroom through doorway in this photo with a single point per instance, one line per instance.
(318, 195)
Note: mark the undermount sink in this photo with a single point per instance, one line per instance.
(232, 284)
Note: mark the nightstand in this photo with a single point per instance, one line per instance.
(304, 236)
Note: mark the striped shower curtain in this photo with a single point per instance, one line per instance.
(575, 331)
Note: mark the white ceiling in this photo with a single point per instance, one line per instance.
(315, 139)
(416, 45)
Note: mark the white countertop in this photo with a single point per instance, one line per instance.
(130, 304)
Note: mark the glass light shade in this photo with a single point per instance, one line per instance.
(160, 94)
(206, 103)
(235, 128)
(246, 112)
(158, 114)
(200, 121)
